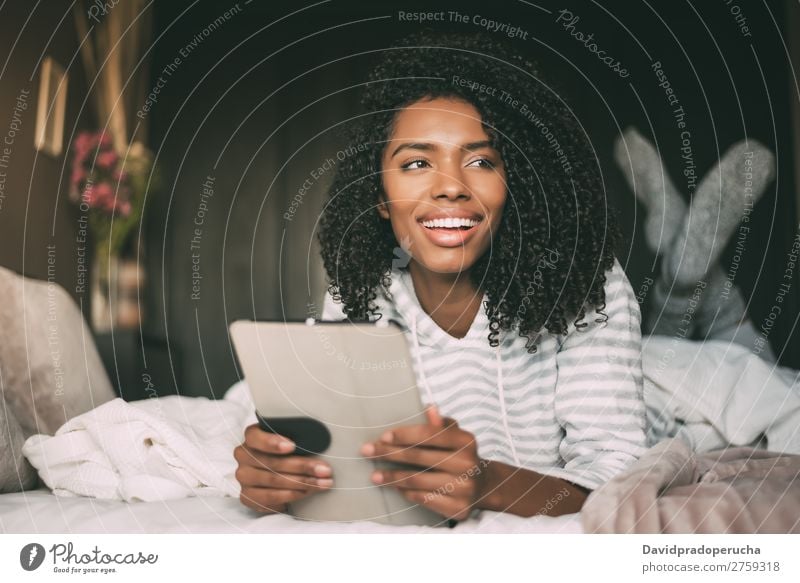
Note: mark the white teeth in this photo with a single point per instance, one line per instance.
(449, 223)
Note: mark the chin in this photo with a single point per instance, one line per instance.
(447, 265)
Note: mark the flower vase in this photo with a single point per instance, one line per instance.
(104, 278)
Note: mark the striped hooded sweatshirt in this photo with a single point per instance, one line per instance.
(572, 410)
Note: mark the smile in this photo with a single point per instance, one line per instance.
(450, 223)
(450, 231)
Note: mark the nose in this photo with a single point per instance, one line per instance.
(449, 184)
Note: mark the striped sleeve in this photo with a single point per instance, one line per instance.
(599, 396)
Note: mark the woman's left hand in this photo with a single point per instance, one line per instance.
(448, 477)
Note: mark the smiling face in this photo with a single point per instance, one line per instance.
(444, 185)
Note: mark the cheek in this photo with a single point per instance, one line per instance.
(398, 186)
(403, 194)
(489, 186)
(493, 197)
(500, 207)
(500, 194)
(399, 209)
(495, 205)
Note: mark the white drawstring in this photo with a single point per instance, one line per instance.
(419, 361)
(500, 389)
(502, 398)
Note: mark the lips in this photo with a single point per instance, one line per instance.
(450, 229)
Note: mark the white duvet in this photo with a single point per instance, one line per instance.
(713, 394)
(154, 449)
(708, 394)
(41, 512)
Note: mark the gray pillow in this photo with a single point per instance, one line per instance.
(16, 473)
(49, 365)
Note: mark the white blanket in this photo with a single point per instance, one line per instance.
(713, 394)
(709, 394)
(40, 512)
(150, 450)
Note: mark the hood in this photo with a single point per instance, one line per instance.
(401, 304)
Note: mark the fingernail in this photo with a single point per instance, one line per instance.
(325, 483)
(377, 477)
(286, 445)
(367, 449)
(387, 437)
(322, 470)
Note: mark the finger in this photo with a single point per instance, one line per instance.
(424, 457)
(257, 438)
(441, 482)
(258, 478)
(271, 509)
(269, 499)
(447, 506)
(293, 464)
(433, 415)
(302, 465)
(450, 437)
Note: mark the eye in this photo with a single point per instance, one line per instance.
(482, 163)
(409, 165)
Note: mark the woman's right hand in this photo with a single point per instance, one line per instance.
(271, 477)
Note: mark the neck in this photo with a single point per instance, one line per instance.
(450, 299)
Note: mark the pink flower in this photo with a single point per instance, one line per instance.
(105, 141)
(83, 143)
(107, 159)
(88, 195)
(76, 177)
(97, 178)
(104, 196)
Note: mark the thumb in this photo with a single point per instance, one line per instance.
(433, 415)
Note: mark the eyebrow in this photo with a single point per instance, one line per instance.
(427, 147)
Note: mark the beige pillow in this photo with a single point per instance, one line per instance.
(16, 473)
(49, 365)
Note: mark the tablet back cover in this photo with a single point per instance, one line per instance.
(358, 381)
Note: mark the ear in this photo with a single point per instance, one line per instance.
(383, 206)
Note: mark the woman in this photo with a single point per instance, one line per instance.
(525, 330)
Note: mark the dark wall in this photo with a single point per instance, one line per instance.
(254, 105)
(34, 208)
(255, 102)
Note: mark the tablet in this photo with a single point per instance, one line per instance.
(331, 387)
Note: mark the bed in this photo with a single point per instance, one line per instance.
(724, 432)
(200, 434)
(684, 483)
(39, 511)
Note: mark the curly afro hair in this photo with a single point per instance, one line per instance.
(557, 236)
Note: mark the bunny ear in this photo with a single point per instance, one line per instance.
(760, 158)
(725, 197)
(644, 171)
